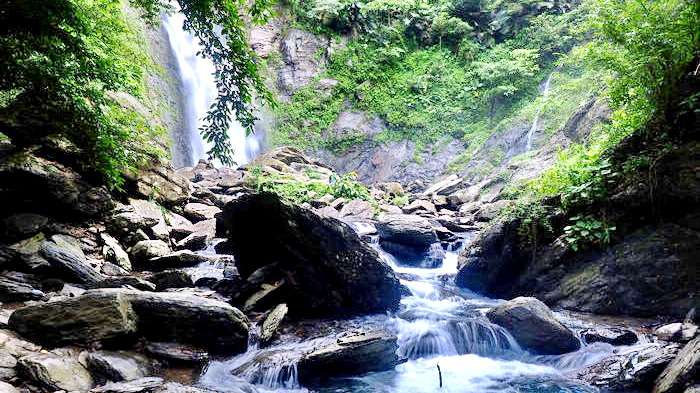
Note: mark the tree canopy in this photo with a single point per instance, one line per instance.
(62, 58)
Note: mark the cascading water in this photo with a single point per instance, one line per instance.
(199, 85)
(438, 324)
(535, 121)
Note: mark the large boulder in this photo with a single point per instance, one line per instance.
(69, 264)
(86, 319)
(354, 354)
(405, 236)
(534, 326)
(324, 265)
(682, 372)
(118, 366)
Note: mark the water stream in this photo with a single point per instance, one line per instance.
(199, 92)
(535, 122)
(438, 324)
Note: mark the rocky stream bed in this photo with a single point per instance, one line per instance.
(194, 282)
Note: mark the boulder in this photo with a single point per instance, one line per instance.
(406, 229)
(199, 237)
(159, 181)
(327, 267)
(68, 265)
(118, 366)
(125, 281)
(55, 372)
(445, 187)
(171, 279)
(357, 209)
(7, 388)
(177, 352)
(145, 250)
(200, 212)
(187, 319)
(356, 353)
(178, 259)
(534, 326)
(25, 254)
(86, 319)
(420, 205)
(613, 336)
(271, 322)
(682, 372)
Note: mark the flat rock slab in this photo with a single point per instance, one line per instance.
(56, 372)
(682, 372)
(117, 366)
(200, 211)
(534, 326)
(142, 385)
(178, 352)
(70, 266)
(90, 318)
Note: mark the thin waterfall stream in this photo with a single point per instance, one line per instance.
(535, 122)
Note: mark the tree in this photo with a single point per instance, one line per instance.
(61, 57)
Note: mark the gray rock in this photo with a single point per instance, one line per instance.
(187, 319)
(143, 251)
(237, 386)
(331, 269)
(354, 354)
(200, 236)
(682, 372)
(406, 229)
(534, 326)
(142, 385)
(271, 322)
(70, 266)
(445, 187)
(70, 244)
(7, 388)
(118, 366)
(125, 281)
(200, 212)
(86, 319)
(357, 209)
(300, 52)
(159, 181)
(55, 372)
(111, 269)
(178, 352)
(113, 251)
(123, 223)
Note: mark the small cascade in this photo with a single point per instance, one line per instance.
(535, 121)
(199, 85)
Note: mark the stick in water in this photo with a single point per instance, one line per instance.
(439, 373)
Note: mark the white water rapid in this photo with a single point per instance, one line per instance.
(437, 324)
(536, 120)
(199, 92)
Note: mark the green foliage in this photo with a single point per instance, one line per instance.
(586, 229)
(300, 191)
(61, 57)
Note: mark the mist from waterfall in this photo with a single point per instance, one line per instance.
(199, 92)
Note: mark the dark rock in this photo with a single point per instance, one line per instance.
(68, 265)
(682, 372)
(327, 267)
(86, 319)
(14, 291)
(406, 229)
(534, 326)
(113, 251)
(229, 286)
(187, 319)
(125, 281)
(612, 336)
(354, 354)
(55, 372)
(634, 371)
(177, 352)
(117, 366)
(206, 282)
(178, 259)
(171, 279)
(24, 225)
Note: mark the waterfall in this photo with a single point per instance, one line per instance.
(535, 121)
(199, 92)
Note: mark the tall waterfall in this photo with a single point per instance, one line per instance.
(199, 92)
(535, 121)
